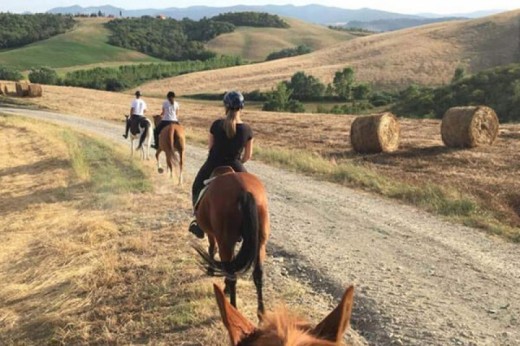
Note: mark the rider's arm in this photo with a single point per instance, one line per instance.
(211, 141)
(248, 151)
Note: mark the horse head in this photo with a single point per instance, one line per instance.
(156, 120)
(280, 328)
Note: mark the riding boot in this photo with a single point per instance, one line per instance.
(127, 128)
(155, 139)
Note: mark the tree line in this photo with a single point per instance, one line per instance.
(127, 76)
(178, 40)
(255, 19)
(498, 88)
(289, 52)
(167, 39)
(18, 30)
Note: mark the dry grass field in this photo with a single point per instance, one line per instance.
(425, 55)
(90, 254)
(256, 44)
(485, 178)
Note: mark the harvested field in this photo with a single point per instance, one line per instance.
(486, 174)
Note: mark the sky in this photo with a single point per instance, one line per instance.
(401, 6)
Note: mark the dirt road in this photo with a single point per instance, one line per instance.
(420, 280)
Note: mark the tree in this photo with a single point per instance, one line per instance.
(279, 100)
(343, 82)
(361, 92)
(43, 75)
(305, 87)
(458, 75)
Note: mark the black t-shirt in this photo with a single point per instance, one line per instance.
(224, 148)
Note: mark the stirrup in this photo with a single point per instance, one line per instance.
(195, 229)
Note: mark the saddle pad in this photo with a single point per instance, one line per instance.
(203, 192)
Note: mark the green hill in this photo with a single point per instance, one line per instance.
(257, 43)
(85, 45)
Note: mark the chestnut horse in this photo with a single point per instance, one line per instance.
(171, 140)
(234, 207)
(280, 328)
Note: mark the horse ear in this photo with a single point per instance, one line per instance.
(336, 323)
(237, 325)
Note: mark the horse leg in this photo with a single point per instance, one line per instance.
(258, 277)
(170, 158)
(159, 168)
(181, 165)
(211, 251)
(231, 283)
(131, 146)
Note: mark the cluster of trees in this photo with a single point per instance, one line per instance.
(255, 19)
(20, 29)
(128, 76)
(288, 52)
(498, 88)
(288, 95)
(10, 74)
(167, 39)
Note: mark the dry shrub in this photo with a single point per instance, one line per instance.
(35, 90)
(22, 89)
(469, 127)
(375, 134)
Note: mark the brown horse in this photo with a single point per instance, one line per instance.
(281, 328)
(234, 207)
(171, 140)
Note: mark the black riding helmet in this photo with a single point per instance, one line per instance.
(170, 95)
(234, 100)
(138, 93)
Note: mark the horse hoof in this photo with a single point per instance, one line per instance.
(160, 170)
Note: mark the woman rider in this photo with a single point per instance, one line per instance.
(169, 114)
(230, 144)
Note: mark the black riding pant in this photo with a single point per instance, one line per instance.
(205, 173)
(160, 127)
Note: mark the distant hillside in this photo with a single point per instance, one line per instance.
(310, 13)
(256, 44)
(85, 45)
(381, 25)
(426, 55)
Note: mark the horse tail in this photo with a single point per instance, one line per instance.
(248, 253)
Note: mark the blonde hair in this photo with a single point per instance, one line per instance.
(230, 123)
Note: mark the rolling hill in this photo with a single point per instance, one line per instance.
(85, 45)
(426, 55)
(257, 43)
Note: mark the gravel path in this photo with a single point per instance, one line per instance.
(420, 280)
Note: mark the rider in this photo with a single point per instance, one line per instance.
(170, 111)
(230, 144)
(137, 110)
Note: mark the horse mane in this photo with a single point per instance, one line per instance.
(283, 328)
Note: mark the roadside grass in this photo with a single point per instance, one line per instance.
(442, 200)
(80, 272)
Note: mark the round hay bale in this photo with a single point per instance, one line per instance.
(22, 89)
(375, 134)
(469, 127)
(35, 90)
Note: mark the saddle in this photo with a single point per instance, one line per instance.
(217, 172)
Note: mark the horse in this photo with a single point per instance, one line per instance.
(171, 140)
(234, 208)
(281, 328)
(145, 148)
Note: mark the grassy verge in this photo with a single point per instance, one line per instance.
(446, 201)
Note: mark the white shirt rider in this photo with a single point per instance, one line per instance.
(170, 110)
(138, 107)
